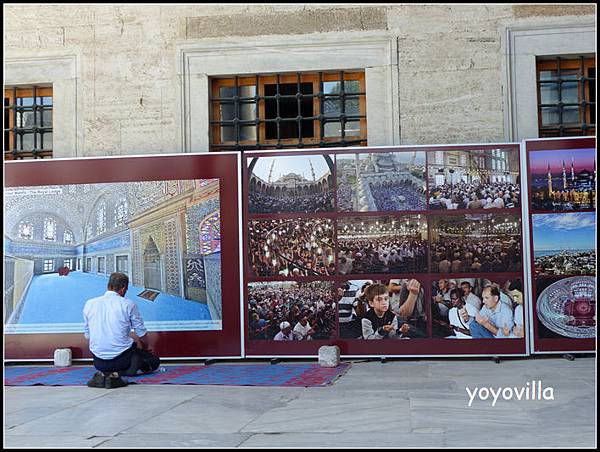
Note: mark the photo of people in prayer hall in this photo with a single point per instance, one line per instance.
(291, 311)
(474, 179)
(290, 184)
(475, 243)
(563, 179)
(291, 247)
(381, 181)
(382, 309)
(386, 244)
(477, 308)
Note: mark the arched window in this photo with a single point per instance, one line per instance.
(101, 218)
(25, 230)
(210, 234)
(68, 237)
(50, 229)
(121, 212)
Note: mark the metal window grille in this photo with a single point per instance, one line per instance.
(27, 123)
(278, 115)
(566, 96)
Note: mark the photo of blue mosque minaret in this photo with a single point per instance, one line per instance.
(562, 188)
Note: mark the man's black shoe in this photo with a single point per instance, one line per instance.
(97, 381)
(114, 381)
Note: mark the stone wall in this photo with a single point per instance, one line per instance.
(121, 87)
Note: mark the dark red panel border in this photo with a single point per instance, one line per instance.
(412, 347)
(544, 345)
(170, 344)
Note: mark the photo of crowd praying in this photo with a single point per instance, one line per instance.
(291, 247)
(475, 243)
(382, 309)
(475, 179)
(290, 184)
(291, 311)
(372, 182)
(477, 308)
(372, 245)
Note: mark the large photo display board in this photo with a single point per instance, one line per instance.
(393, 251)
(562, 212)
(168, 223)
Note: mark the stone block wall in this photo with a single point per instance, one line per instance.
(122, 89)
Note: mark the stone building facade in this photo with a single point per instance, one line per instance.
(135, 79)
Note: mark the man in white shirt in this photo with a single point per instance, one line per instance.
(108, 321)
(303, 330)
(469, 296)
(286, 333)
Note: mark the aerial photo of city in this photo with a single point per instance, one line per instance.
(564, 244)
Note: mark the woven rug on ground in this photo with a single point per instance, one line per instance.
(149, 294)
(303, 375)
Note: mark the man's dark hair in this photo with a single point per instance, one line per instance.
(118, 281)
(494, 290)
(456, 293)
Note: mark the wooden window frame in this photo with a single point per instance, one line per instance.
(9, 95)
(308, 77)
(583, 92)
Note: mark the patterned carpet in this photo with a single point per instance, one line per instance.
(303, 375)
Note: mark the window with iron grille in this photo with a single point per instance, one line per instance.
(27, 123)
(288, 111)
(566, 96)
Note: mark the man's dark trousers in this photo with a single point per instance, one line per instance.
(129, 362)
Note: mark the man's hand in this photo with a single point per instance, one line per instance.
(464, 314)
(481, 319)
(388, 328)
(404, 328)
(414, 286)
(144, 341)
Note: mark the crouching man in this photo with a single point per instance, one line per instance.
(108, 321)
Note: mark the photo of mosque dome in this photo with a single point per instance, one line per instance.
(563, 180)
(62, 242)
(290, 184)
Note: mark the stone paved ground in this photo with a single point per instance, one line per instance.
(401, 403)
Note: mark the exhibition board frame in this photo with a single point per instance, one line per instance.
(427, 347)
(176, 345)
(556, 344)
(232, 342)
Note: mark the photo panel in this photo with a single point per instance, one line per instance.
(382, 309)
(382, 244)
(291, 247)
(390, 181)
(563, 179)
(290, 184)
(291, 311)
(477, 308)
(476, 243)
(566, 307)
(65, 241)
(473, 179)
(564, 244)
